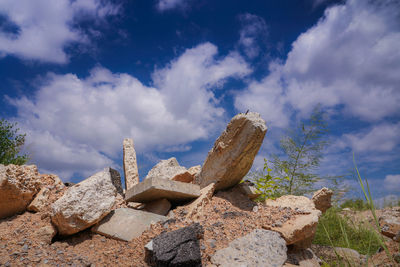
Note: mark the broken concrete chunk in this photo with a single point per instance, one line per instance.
(130, 164)
(126, 224)
(18, 186)
(176, 248)
(234, 151)
(299, 229)
(155, 188)
(206, 194)
(322, 199)
(260, 248)
(87, 202)
(161, 206)
(40, 200)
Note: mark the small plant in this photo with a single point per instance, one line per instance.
(267, 185)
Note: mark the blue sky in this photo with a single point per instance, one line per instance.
(79, 76)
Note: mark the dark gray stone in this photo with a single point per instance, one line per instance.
(176, 248)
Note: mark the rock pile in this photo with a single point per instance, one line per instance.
(213, 221)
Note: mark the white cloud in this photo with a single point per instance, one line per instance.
(349, 60)
(164, 5)
(392, 183)
(253, 33)
(42, 29)
(382, 138)
(78, 124)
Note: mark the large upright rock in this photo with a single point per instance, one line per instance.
(18, 186)
(260, 248)
(234, 151)
(130, 164)
(87, 202)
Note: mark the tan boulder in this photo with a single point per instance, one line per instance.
(40, 200)
(322, 199)
(46, 233)
(18, 186)
(234, 151)
(130, 164)
(299, 229)
(87, 202)
(171, 170)
(389, 221)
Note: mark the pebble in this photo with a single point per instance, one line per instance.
(255, 208)
(25, 247)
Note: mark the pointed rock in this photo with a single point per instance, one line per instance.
(130, 164)
(87, 202)
(234, 151)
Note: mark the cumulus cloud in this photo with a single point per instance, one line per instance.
(254, 32)
(392, 183)
(349, 61)
(78, 124)
(163, 5)
(41, 30)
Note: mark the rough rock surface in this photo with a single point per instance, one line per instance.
(87, 202)
(390, 222)
(18, 186)
(301, 229)
(259, 248)
(322, 199)
(302, 258)
(40, 200)
(234, 151)
(160, 207)
(177, 248)
(46, 233)
(130, 164)
(328, 253)
(167, 169)
(205, 196)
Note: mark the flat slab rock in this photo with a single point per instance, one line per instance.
(126, 224)
(176, 248)
(260, 248)
(156, 188)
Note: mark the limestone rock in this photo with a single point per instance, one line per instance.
(40, 200)
(156, 188)
(171, 170)
(176, 248)
(126, 224)
(206, 194)
(130, 164)
(87, 202)
(18, 186)
(299, 229)
(260, 248)
(195, 171)
(46, 233)
(390, 222)
(322, 199)
(161, 206)
(51, 181)
(234, 151)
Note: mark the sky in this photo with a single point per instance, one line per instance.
(79, 76)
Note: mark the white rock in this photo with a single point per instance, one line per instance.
(171, 170)
(234, 151)
(87, 202)
(130, 164)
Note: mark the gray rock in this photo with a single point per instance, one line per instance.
(260, 248)
(176, 248)
(130, 164)
(18, 186)
(87, 202)
(156, 188)
(171, 170)
(126, 224)
(234, 151)
(161, 206)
